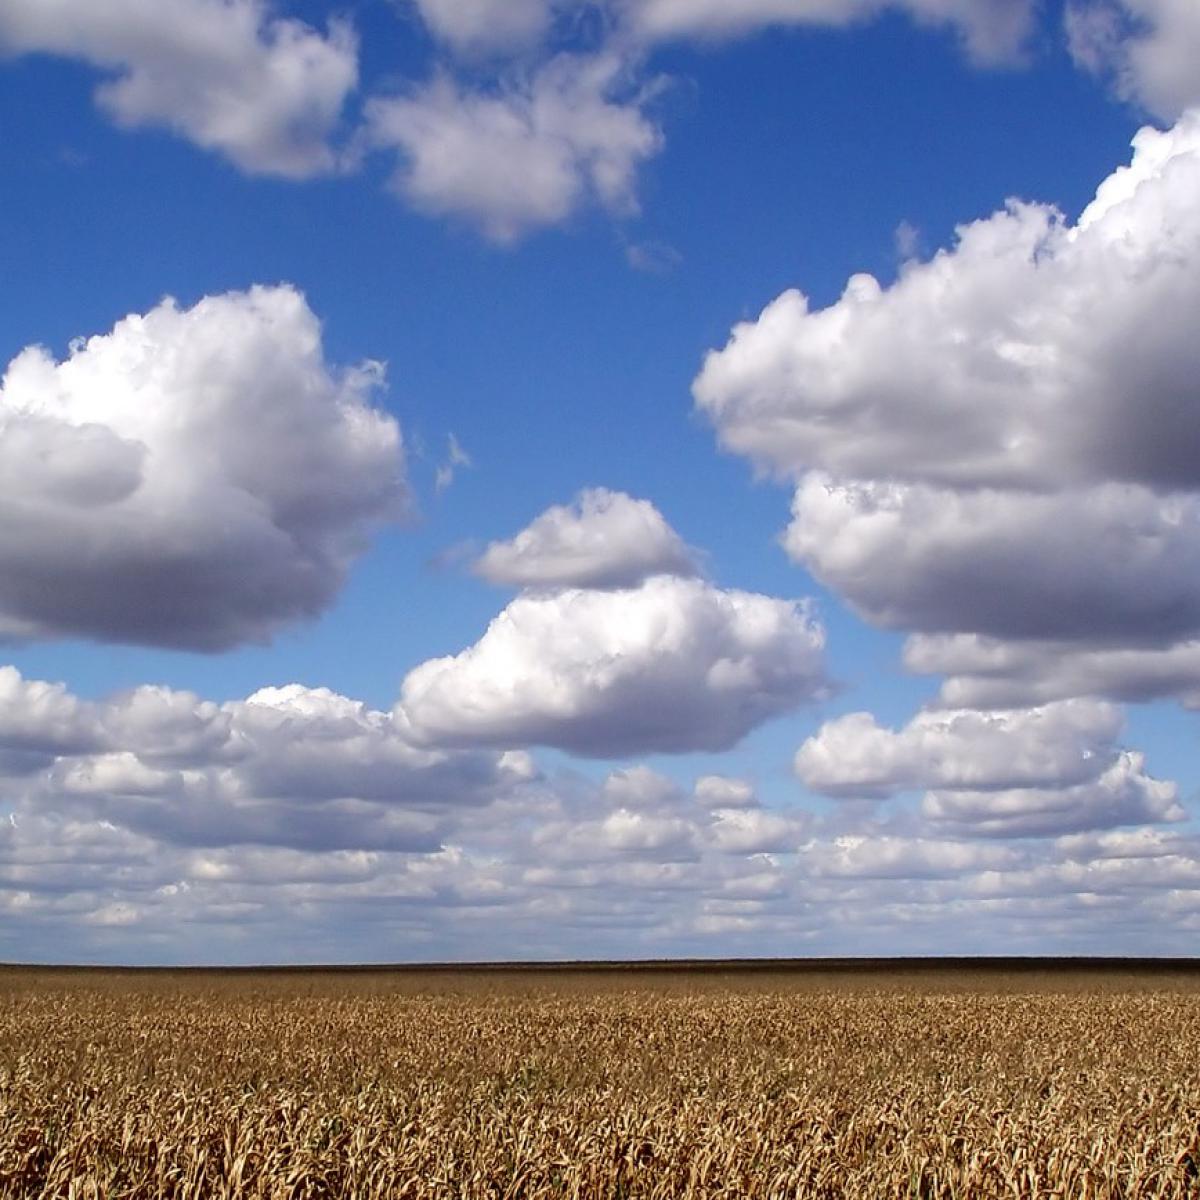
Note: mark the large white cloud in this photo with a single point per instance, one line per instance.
(605, 539)
(264, 90)
(1034, 353)
(1115, 561)
(673, 664)
(528, 153)
(988, 672)
(1058, 744)
(197, 477)
(1151, 48)
(1003, 445)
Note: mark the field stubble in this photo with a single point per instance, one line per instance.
(621, 1085)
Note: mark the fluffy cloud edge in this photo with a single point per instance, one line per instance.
(265, 91)
(604, 539)
(670, 665)
(196, 477)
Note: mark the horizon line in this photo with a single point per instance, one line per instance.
(534, 966)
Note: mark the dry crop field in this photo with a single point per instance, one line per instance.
(944, 1082)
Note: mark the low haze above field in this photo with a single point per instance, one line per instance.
(501, 479)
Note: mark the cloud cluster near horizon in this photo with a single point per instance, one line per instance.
(301, 811)
(132, 815)
(1009, 773)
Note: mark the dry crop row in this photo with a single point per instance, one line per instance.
(114, 1089)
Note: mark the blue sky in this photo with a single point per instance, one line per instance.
(526, 531)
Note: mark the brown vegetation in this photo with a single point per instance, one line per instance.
(603, 1085)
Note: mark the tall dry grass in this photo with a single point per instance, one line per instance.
(613, 1086)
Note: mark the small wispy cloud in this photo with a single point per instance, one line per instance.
(907, 239)
(456, 457)
(654, 258)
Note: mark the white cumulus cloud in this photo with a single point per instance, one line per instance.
(985, 672)
(196, 477)
(528, 153)
(1121, 795)
(39, 721)
(756, 831)
(605, 539)
(473, 27)
(858, 856)
(1002, 445)
(264, 90)
(724, 792)
(639, 787)
(287, 766)
(539, 135)
(1058, 744)
(1115, 561)
(1034, 353)
(671, 665)
(1032, 772)
(1149, 48)
(298, 823)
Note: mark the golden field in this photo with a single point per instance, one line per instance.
(642, 1083)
